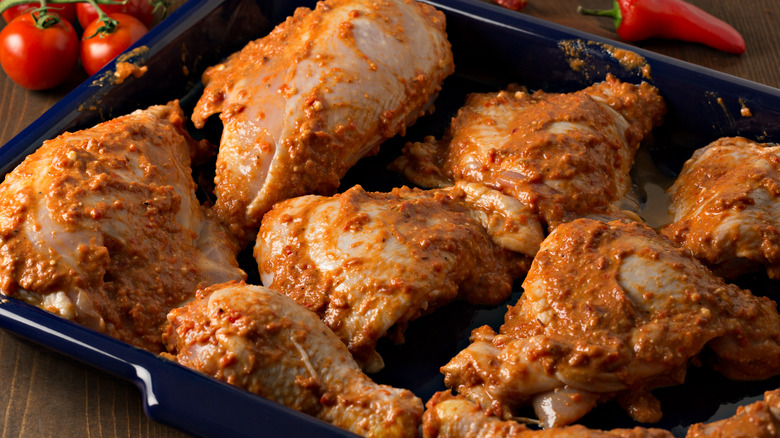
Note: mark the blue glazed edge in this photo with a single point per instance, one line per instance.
(203, 406)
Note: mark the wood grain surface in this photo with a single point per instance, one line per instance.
(48, 395)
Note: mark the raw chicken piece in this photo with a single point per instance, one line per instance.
(325, 88)
(613, 310)
(262, 341)
(565, 155)
(368, 263)
(448, 416)
(726, 207)
(102, 227)
(756, 420)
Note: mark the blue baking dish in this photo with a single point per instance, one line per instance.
(493, 47)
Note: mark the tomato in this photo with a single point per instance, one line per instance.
(98, 50)
(37, 58)
(140, 9)
(65, 10)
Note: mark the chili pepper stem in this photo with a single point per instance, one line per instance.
(612, 13)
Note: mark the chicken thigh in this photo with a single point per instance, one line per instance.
(613, 310)
(325, 88)
(726, 207)
(453, 416)
(368, 263)
(565, 155)
(102, 227)
(756, 420)
(262, 341)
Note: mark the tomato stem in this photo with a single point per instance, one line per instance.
(109, 24)
(7, 4)
(160, 4)
(42, 18)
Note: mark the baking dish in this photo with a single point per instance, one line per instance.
(493, 47)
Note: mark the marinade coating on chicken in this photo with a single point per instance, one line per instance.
(756, 420)
(613, 310)
(565, 155)
(725, 207)
(368, 263)
(262, 341)
(325, 88)
(102, 227)
(454, 416)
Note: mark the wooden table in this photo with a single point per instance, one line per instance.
(46, 394)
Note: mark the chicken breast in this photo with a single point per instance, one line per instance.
(565, 155)
(613, 310)
(262, 341)
(725, 207)
(325, 88)
(369, 263)
(102, 226)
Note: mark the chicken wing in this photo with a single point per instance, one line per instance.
(613, 310)
(565, 155)
(262, 341)
(756, 420)
(726, 207)
(368, 262)
(102, 227)
(453, 416)
(325, 88)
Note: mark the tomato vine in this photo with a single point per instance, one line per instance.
(37, 51)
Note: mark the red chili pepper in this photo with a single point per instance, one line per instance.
(637, 20)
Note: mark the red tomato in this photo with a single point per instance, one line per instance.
(37, 58)
(140, 9)
(515, 5)
(65, 10)
(98, 50)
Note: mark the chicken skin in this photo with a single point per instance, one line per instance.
(565, 155)
(102, 227)
(325, 88)
(262, 341)
(613, 310)
(756, 420)
(725, 207)
(369, 263)
(453, 416)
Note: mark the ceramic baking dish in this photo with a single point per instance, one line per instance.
(493, 47)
